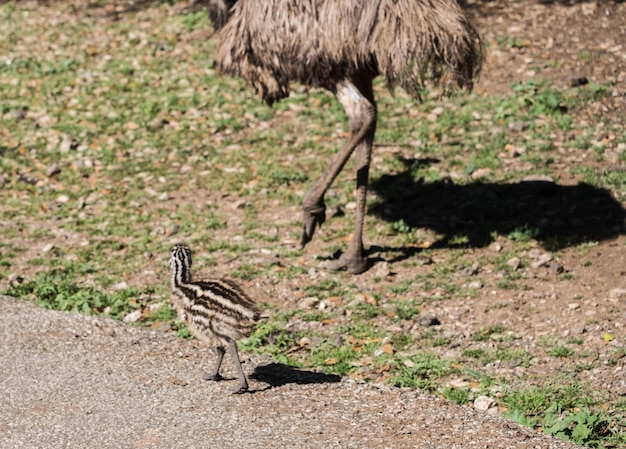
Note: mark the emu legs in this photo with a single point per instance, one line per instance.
(357, 99)
(215, 373)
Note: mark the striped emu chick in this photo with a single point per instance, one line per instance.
(217, 311)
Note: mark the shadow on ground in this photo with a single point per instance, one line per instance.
(470, 215)
(277, 374)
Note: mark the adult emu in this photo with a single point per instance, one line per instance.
(342, 45)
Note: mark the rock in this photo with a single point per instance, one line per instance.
(120, 286)
(47, 248)
(133, 316)
(384, 349)
(469, 271)
(305, 341)
(358, 299)
(538, 178)
(481, 173)
(543, 260)
(52, 170)
(459, 383)
(381, 270)
(476, 285)
(82, 164)
(428, 321)
(154, 307)
(158, 122)
(172, 230)
(577, 81)
(514, 262)
(620, 389)
(308, 303)
(68, 143)
(556, 267)
(483, 403)
(617, 295)
(517, 126)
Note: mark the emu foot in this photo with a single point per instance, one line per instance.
(214, 377)
(314, 217)
(241, 388)
(353, 264)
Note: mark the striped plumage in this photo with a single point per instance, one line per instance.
(217, 311)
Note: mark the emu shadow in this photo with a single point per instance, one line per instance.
(558, 216)
(277, 374)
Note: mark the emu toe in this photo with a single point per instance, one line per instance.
(214, 377)
(241, 388)
(354, 265)
(314, 217)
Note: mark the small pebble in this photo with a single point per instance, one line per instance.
(517, 126)
(514, 262)
(428, 321)
(381, 270)
(543, 260)
(617, 295)
(52, 170)
(469, 271)
(483, 403)
(556, 268)
(308, 302)
(133, 316)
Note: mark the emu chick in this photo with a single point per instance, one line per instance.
(217, 311)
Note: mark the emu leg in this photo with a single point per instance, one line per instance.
(357, 100)
(215, 373)
(243, 384)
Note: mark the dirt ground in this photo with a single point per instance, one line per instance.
(595, 303)
(590, 45)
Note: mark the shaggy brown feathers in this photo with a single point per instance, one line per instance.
(317, 42)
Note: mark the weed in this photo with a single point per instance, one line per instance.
(487, 332)
(523, 234)
(420, 370)
(459, 396)
(55, 289)
(405, 310)
(582, 426)
(270, 338)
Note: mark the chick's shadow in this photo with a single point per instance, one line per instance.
(278, 374)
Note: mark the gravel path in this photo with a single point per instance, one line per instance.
(70, 381)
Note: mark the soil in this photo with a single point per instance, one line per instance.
(564, 43)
